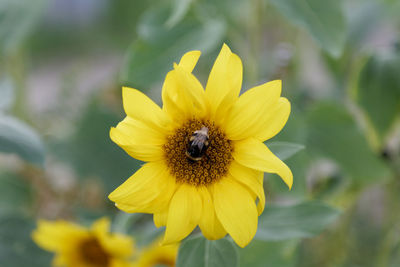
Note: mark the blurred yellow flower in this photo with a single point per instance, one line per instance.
(76, 246)
(204, 150)
(157, 255)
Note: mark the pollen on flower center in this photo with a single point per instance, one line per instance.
(93, 254)
(213, 164)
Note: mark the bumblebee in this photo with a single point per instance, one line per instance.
(198, 144)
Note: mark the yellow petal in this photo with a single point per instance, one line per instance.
(183, 215)
(57, 235)
(156, 254)
(120, 263)
(115, 244)
(60, 260)
(138, 106)
(149, 190)
(193, 89)
(160, 218)
(174, 103)
(209, 224)
(141, 132)
(119, 245)
(189, 60)
(183, 95)
(251, 178)
(247, 115)
(275, 120)
(143, 152)
(236, 210)
(101, 226)
(224, 83)
(139, 140)
(254, 154)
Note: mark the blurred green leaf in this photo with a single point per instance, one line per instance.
(123, 220)
(395, 256)
(139, 225)
(334, 134)
(15, 194)
(6, 94)
(16, 246)
(144, 231)
(179, 10)
(151, 56)
(17, 137)
(363, 19)
(17, 18)
(324, 20)
(199, 252)
(298, 221)
(379, 92)
(91, 150)
(267, 254)
(236, 13)
(284, 150)
(294, 133)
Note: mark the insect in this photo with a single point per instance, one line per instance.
(198, 144)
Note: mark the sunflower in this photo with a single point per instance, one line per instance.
(157, 255)
(77, 246)
(203, 150)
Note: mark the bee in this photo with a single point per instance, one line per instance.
(198, 144)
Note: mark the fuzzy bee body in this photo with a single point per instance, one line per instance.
(198, 144)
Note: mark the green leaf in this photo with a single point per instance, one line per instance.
(268, 254)
(234, 12)
(17, 137)
(92, 152)
(395, 256)
(123, 220)
(6, 94)
(16, 245)
(16, 195)
(295, 132)
(180, 8)
(284, 150)
(364, 19)
(199, 252)
(17, 18)
(379, 92)
(144, 231)
(298, 221)
(324, 20)
(334, 134)
(151, 56)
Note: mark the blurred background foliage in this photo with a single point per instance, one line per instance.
(62, 65)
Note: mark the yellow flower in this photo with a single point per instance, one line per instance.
(76, 246)
(157, 255)
(186, 183)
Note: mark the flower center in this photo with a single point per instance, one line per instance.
(198, 153)
(93, 253)
(164, 261)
